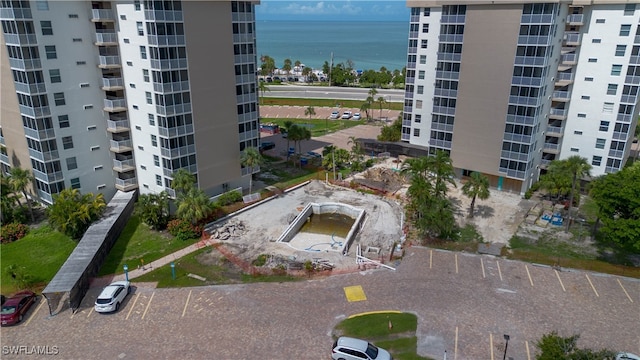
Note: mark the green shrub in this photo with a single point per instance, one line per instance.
(229, 198)
(260, 260)
(184, 230)
(12, 232)
(528, 193)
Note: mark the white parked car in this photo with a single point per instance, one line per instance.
(627, 356)
(356, 116)
(112, 296)
(347, 348)
(346, 115)
(335, 115)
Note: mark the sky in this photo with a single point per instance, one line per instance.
(347, 10)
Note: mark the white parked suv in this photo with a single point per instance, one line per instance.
(112, 296)
(347, 348)
(346, 115)
(335, 115)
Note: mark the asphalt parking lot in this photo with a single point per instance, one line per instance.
(465, 304)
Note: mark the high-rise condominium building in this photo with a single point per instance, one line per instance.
(507, 86)
(107, 95)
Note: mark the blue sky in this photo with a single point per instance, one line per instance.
(347, 10)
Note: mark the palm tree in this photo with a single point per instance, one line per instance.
(194, 206)
(476, 186)
(310, 111)
(372, 93)
(19, 180)
(381, 101)
(183, 182)
(356, 148)
(579, 168)
(365, 108)
(287, 127)
(251, 158)
(262, 87)
(287, 66)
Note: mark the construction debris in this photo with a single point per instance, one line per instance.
(228, 230)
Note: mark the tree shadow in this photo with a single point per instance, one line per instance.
(484, 211)
(457, 206)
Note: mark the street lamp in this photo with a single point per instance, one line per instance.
(126, 272)
(506, 337)
(173, 270)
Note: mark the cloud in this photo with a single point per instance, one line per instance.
(332, 9)
(310, 7)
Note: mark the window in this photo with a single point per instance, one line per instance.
(42, 5)
(123, 17)
(154, 141)
(152, 120)
(423, 59)
(585, 97)
(616, 70)
(54, 75)
(73, 16)
(574, 149)
(140, 28)
(418, 104)
(577, 132)
(91, 127)
(67, 142)
(620, 50)
(612, 89)
(582, 115)
(596, 160)
(588, 78)
(421, 74)
(425, 28)
(593, 60)
(427, 11)
(136, 5)
(156, 160)
(84, 85)
(50, 50)
(596, 41)
(63, 121)
(420, 89)
(600, 143)
(77, 39)
(143, 167)
(629, 9)
(46, 27)
(604, 126)
(81, 62)
(600, 21)
(607, 108)
(132, 85)
(149, 98)
(75, 183)
(423, 43)
(87, 107)
(58, 98)
(129, 63)
(126, 40)
(72, 163)
(143, 52)
(158, 180)
(416, 132)
(625, 30)
(99, 167)
(418, 118)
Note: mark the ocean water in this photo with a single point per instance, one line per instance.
(370, 45)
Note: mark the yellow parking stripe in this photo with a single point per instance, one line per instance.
(561, 284)
(375, 312)
(625, 291)
(593, 287)
(529, 274)
(147, 308)
(456, 256)
(186, 304)
(35, 312)
(354, 293)
(132, 306)
(491, 344)
(499, 271)
(482, 266)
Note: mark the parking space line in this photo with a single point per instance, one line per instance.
(186, 304)
(90, 311)
(147, 308)
(455, 346)
(132, 306)
(593, 287)
(491, 344)
(529, 274)
(499, 271)
(456, 256)
(625, 291)
(482, 265)
(35, 312)
(430, 258)
(526, 345)
(561, 284)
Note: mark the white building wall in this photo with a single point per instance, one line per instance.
(590, 103)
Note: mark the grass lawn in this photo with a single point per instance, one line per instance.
(318, 127)
(400, 340)
(42, 252)
(137, 242)
(326, 103)
(208, 263)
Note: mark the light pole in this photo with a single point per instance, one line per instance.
(173, 270)
(126, 272)
(506, 337)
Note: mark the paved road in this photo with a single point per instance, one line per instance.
(464, 303)
(331, 92)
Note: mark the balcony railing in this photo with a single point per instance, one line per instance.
(558, 112)
(122, 145)
(30, 88)
(561, 95)
(110, 61)
(112, 83)
(126, 184)
(117, 104)
(102, 15)
(48, 178)
(572, 38)
(19, 13)
(118, 126)
(40, 134)
(106, 38)
(616, 153)
(124, 165)
(555, 130)
(551, 146)
(569, 59)
(575, 19)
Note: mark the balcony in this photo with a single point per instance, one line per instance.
(572, 38)
(561, 96)
(109, 62)
(564, 79)
(115, 105)
(616, 153)
(106, 39)
(17, 13)
(551, 148)
(558, 113)
(569, 58)
(555, 131)
(116, 83)
(40, 134)
(127, 184)
(48, 178)
(575, 19)
(124, 165)
(634, 60)
(120, 146)
(118, 126)
(102, 15)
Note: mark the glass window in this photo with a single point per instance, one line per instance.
(54, 74)
(136, 5)
(140, 28)
(600, 21)
(612, 89)
(154, 141)
(604, 126)
(596, 160)
(616, 70)
(152, 120)
(625, 30)
(143, 52)
(43, 5)
(158, 180)
(426, 11)
(629, 9)
(425, 28)
(416, 132)
(596, 41)
(149, 98)
(607, 108)
(593, 60)
(145, 75)
(46, 27)
(72, 163)
(63, 121)
(421, 74)
(67, 142)
(75, 183)
(423, 59)
(156, 160)
(620, 50)
(424, 43)
(600, 143)
(420, 89)
(50, 50)
(58, 98)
